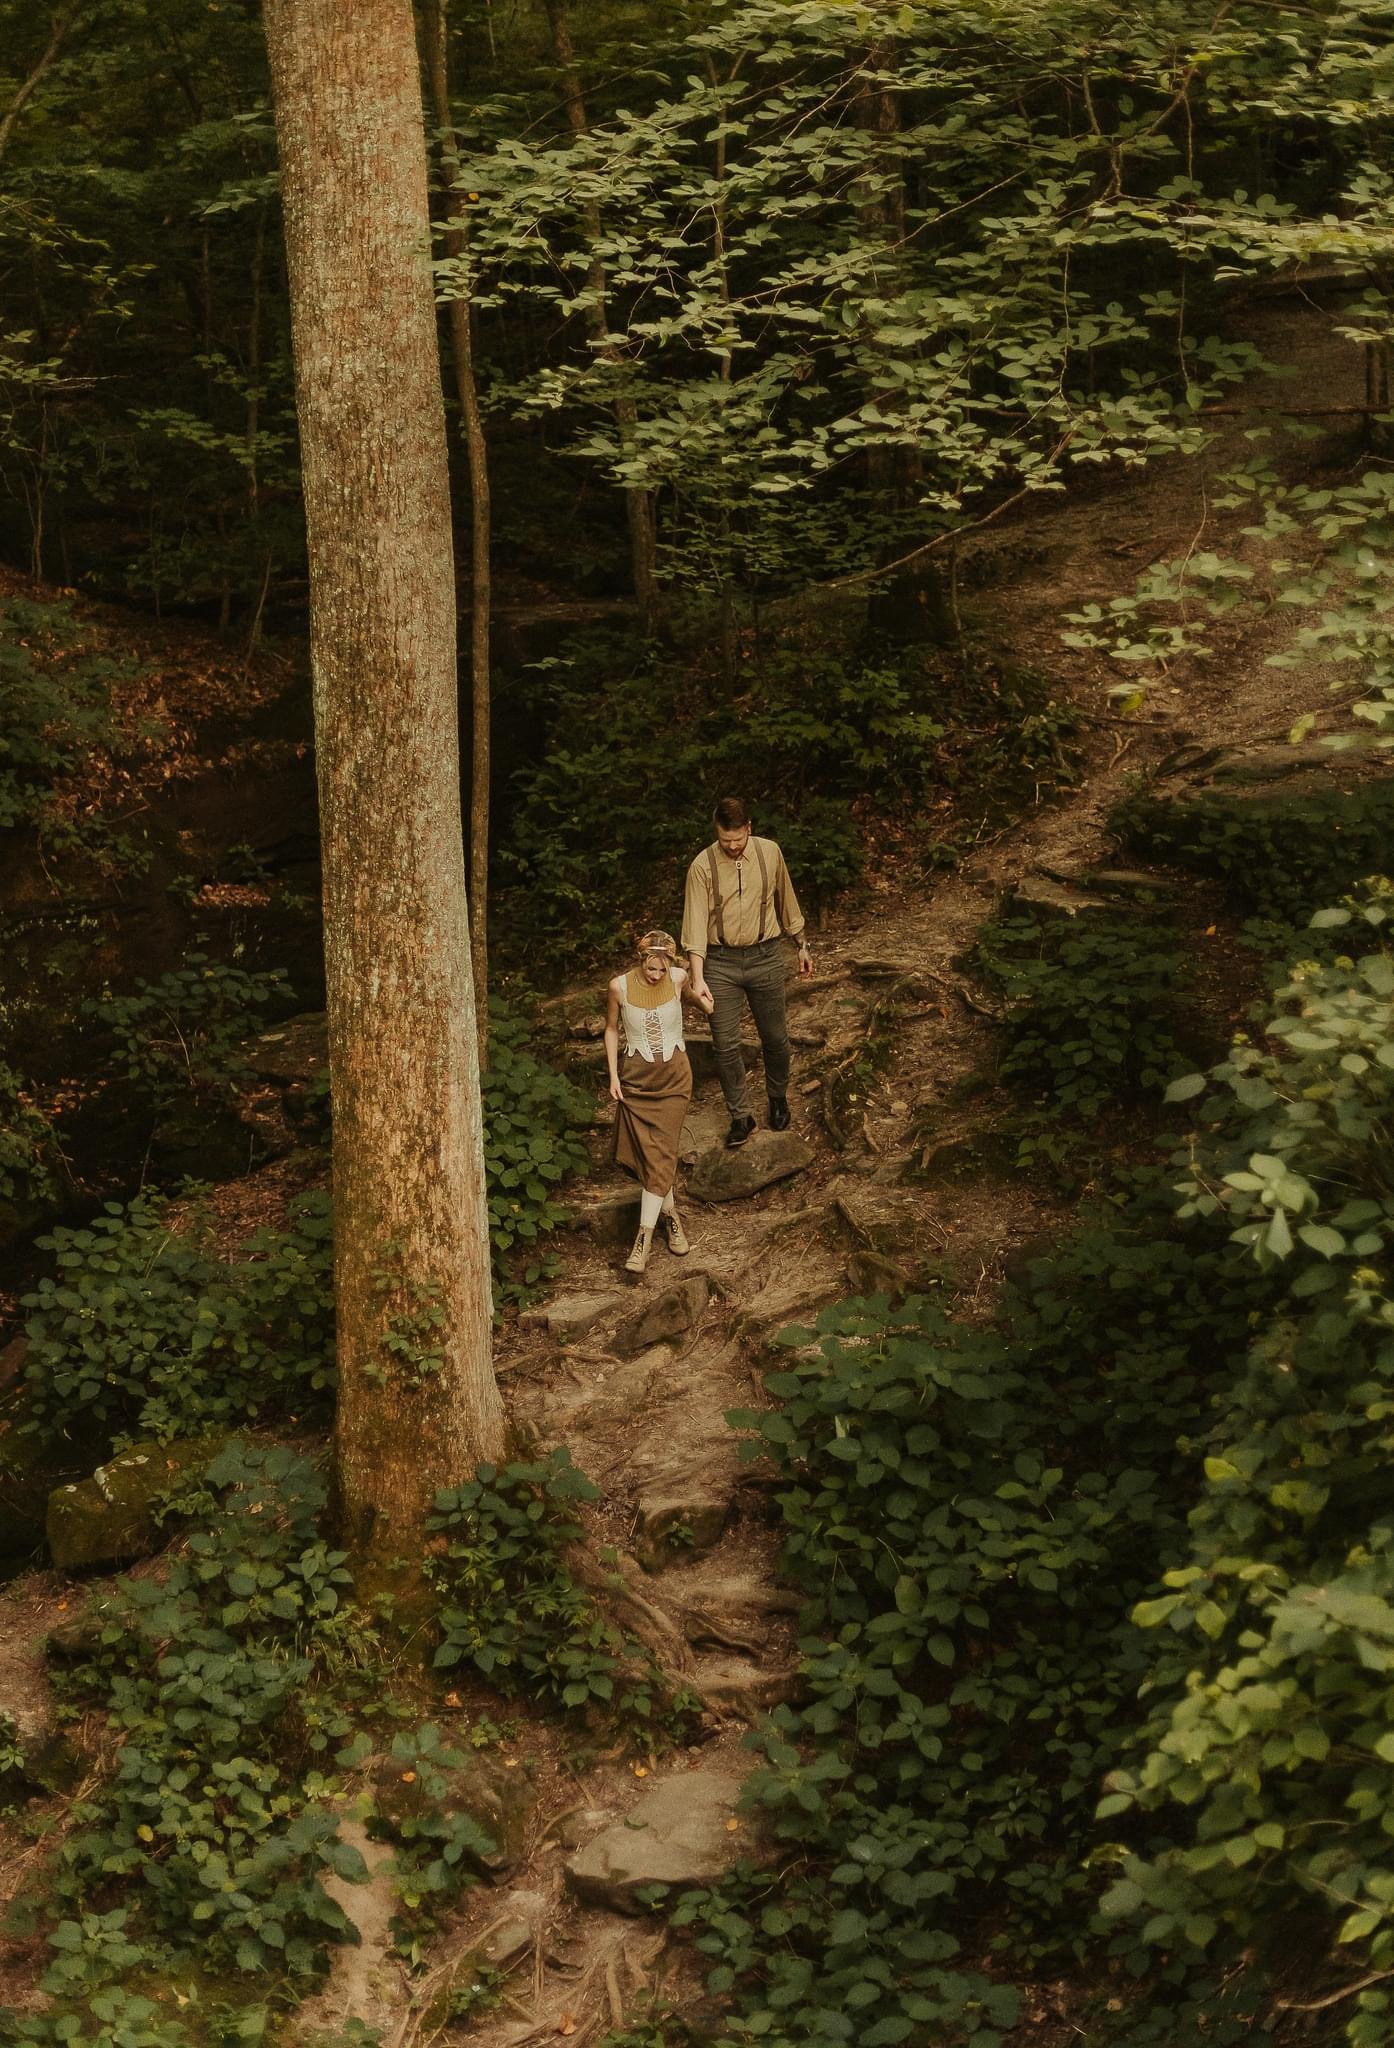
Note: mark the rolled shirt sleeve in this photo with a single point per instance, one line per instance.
(786, 903)
(696, 908)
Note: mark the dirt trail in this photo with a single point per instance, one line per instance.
(649, 1428)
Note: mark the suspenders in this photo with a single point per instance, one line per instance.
(716, 891)
(716, 897)
(764, 886)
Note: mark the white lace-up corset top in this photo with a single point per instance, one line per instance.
(651, 1018)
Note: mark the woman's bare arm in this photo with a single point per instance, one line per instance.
(612, 1037)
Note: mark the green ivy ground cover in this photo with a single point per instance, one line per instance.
(201, 1851)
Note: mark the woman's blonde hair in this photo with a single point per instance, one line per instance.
(658, 942)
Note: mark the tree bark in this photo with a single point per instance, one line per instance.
(418, 1403)
(461, 317)
(639, 506)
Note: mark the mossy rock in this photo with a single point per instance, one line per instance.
(497, 1793)
(111, 1517)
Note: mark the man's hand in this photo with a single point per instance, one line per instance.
(704, 999)
(805, 962)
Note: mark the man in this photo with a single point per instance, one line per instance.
(739, 901)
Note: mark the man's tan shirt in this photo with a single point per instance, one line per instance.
(741, 903)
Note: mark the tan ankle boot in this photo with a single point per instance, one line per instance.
(639, 1258)
(674, 1233)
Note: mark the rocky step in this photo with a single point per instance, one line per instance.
(684, 1833)
(766, 1157)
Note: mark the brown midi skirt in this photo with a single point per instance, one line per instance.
(649, 1121)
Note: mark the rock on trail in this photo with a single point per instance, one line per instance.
(767, 1157)
(685, 1832)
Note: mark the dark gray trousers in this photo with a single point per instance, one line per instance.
(737, 975)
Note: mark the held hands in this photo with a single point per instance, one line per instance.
(704, 999)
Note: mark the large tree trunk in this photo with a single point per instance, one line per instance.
(418, 1404)
(461, 317)
(639, 505)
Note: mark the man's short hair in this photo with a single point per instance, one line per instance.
(730, 814)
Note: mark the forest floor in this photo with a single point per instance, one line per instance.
(890, 1038)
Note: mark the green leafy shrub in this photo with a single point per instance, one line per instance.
(438, 1853)
(979, 1520)
(144, 1332)
(1276, 856)
(84, 1980)
(821, 844)
(186, 1031)
(29, 1159)
(666, 2029)
(1091, 1007)
(533, 1120)
(970, 1515)
(1268, 1739)
(810, 732)
(1011, 739)
(205, 1845)
(513, 1611)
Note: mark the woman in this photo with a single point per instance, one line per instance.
(652, 1084)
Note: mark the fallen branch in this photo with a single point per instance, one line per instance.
(1332, 1997)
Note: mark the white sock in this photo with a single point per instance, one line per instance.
(650, 1208)
(667, 1209)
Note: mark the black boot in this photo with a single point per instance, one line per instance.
(741, 1128)
(779, 1113)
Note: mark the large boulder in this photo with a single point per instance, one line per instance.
(292, 1054)
(767, 1157)
(704, 1126)
(790, 1296)
(669, 1314)
(112, 1517)
(685, 1832)
(292, 1059)
(879, 1219)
